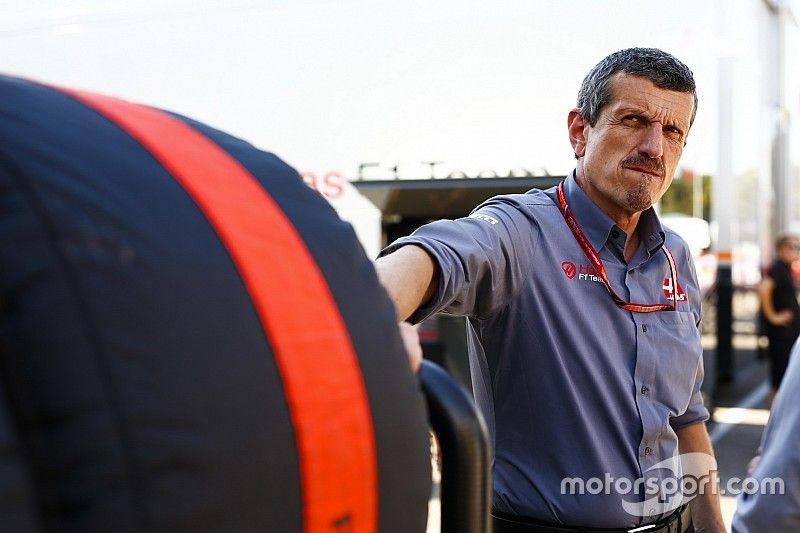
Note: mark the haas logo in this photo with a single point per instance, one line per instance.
(569, 269)
(679, 297)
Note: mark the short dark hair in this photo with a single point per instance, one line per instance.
(785, 240)
(661, 68)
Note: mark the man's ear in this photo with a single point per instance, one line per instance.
(576, 125)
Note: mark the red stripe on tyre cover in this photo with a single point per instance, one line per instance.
(318, 366)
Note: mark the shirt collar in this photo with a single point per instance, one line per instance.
(597, 225)
(651, 231)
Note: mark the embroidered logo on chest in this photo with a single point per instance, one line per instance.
(668, 290)
(584, 272)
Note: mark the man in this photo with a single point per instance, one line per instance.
(780, 309)
(575, 381)
(773, 502)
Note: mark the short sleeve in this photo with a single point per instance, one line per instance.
(483, 259)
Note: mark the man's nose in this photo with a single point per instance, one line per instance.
(652, 142)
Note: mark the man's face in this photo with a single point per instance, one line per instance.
(789, 251)
(628, 158)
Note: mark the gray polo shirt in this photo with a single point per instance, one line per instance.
(570, 384)
(780, 459)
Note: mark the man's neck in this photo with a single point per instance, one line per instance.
(628, 224)
(626, 221)
(631, 245)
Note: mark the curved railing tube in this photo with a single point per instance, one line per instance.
(466, 484)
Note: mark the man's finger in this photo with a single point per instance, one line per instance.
(413, 347)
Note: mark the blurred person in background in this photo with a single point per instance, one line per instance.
(779, 307)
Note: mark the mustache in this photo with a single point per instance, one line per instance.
(645, 163)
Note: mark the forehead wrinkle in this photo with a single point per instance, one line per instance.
(645, 95)
(656, 106)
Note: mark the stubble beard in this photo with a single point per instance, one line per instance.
(638, 197)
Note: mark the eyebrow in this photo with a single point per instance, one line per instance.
(624, 111)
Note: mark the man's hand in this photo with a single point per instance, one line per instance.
(412, 344)
(705, 508)
(753, 464)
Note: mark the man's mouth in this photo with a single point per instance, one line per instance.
(653, 172)
(645, 165)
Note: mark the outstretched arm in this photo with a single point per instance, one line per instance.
(409, 276)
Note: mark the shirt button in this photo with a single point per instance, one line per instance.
(648, 450)
(645, 390)
(652, 511)
(614, 233)
(644, 328)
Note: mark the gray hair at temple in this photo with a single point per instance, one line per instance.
(661, 68)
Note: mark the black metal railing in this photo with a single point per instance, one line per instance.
(466, 485)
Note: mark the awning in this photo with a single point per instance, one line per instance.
(443, 198)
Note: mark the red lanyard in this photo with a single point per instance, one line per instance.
(597, 263)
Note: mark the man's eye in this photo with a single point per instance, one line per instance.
(634, 119)
(673, 132)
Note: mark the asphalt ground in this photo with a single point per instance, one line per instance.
(738, 421)
(740, 406)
